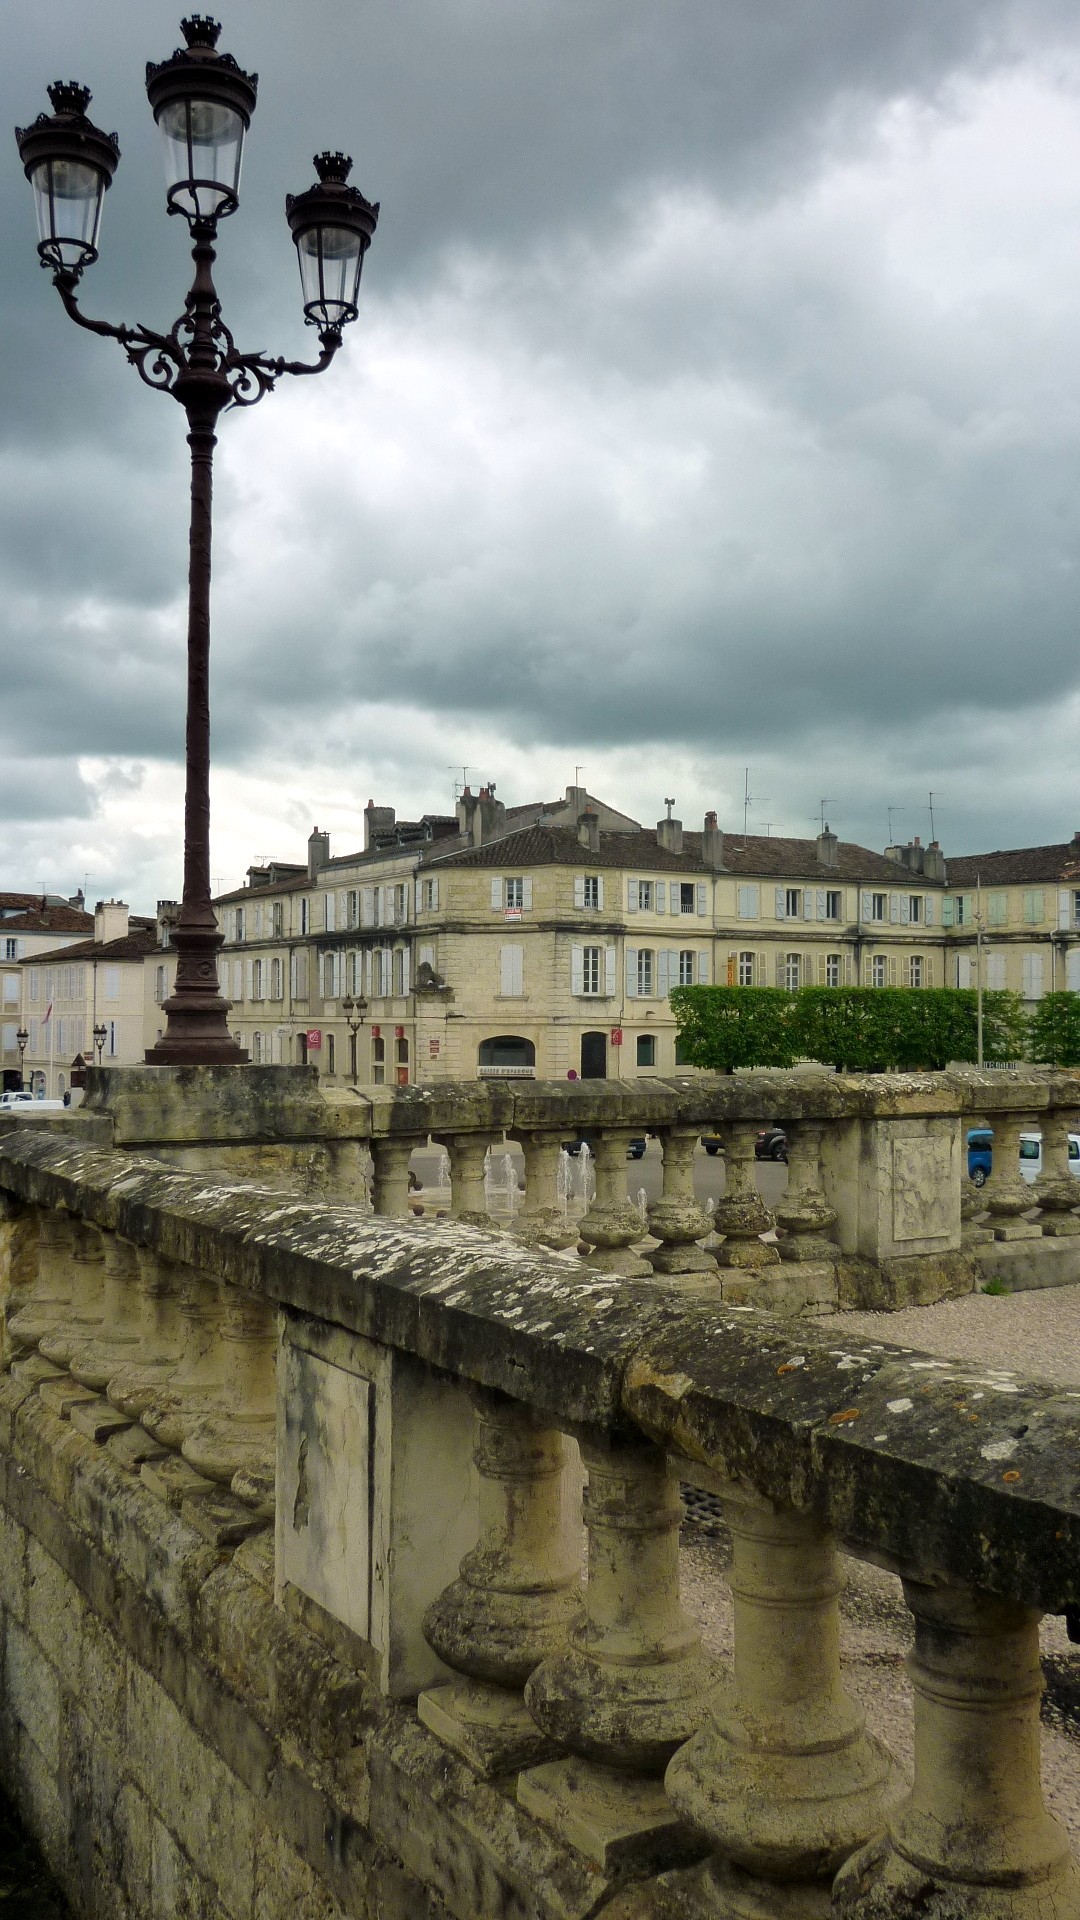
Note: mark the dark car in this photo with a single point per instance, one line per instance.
(635, 1148)
(771, 1144)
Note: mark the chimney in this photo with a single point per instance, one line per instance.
(712, 845)
(828, 847)
(489, 817)
(378, 822)
(466, 807)
(110, 920)
(933, 862)
(78, 900)
(318, 851)
(168, 913)
(669, 831)
(588, 829)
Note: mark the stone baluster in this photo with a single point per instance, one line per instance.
(49, 1301)
(612, 1223)
(468, 1194)
(676, 1219)
(1056, 1189)
(1008, 1195)
(84, 1317)
(235, 1446)
(973, 1837)
(194, 1387)
(741, 1216)
(544, 1222)
(135, 1382)
(390, 1184)
(803, 1212)
(782, 1780)
(18, 1265)
(632, 1682)
(94, 1363)
(973, 1229)
(517, 1594)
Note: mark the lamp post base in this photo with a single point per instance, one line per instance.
(196, 1030)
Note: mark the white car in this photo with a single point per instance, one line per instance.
(26, 1102)
(1031, 1164)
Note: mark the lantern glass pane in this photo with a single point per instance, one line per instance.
(330, 259)
(204, 143)
(67, 197)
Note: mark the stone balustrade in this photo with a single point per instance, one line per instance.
(474, 1489)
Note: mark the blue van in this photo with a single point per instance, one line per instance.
(980, 1156)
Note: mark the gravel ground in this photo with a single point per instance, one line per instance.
(1036, 1334)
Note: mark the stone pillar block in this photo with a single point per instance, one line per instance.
(894, 1181)
(676, 1220)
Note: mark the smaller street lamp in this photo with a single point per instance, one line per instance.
(22, 1041)
(101, 1034)
(354, 1011)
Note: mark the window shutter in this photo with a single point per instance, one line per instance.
(631, 896)
(1072, 969)
(822, 904)
(579, 890)
(526, 891)
(675, 896)
(1064, 906)
(702, 897)
(948, 913)
(496, 895)
(905, 972)
(663, 971)
(808, 903)
(367, 906)
(866, 906)
(406, 971)
(892, 970)
(511, 969)
(995, 971)
(250, 979)
(779, 969)
(821, 969)
(331, 916)
(609, 970)
(894, 908)
(600, 892)
(780, 903)
(905, 910)
(416, 896)
(928, 910)
(631, 973)
(661, 895)
(577, 969)
(703, 969)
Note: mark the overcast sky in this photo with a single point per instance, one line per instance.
(715, 402)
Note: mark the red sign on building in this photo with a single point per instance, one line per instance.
(616, 1036)
(313, 1037)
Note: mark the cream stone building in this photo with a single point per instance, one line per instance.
(1017, 913)
(30, 924)
(67, 991)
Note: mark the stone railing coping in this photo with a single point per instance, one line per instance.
(186, 1105)
(947, 1471)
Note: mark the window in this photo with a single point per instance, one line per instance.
(590, 969)
(257, 980)
(1076, 909)
(429, 896)
(997, 909)
(11, 989)
(1034, 907)
(160, 984)
(276, 974)
(962, 910)
(352, 908)
(256, 1049)
(793, 903)
(834, 906)
(112, 983)
(749, 903)
(915, 909)
(916, 970)
(687, 896)
(329, 976)
(879, 906)
(833, 970)
(792, 971)
(511, 970)
(590, 892)
(277, 919)
(298, 976)
(11, 949)
(239, 917)
(330, 1052)
(506, 1052)
(746, 970)
(378, 1062)
(687, 967)
(34, 983)
(646, 1049)
(401, 1051)
(305, 916)
(646, 972)
(645, 896)
(399, 904)
(879, 971)
(515, 893)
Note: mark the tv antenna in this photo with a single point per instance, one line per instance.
(767, 824)
(820, 814)
(933, 835)
(890, 811)
(748, 799)
(669, 804)
(460, 786)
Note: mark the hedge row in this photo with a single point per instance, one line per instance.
(866, 1029)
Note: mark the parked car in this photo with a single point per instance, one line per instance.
(711, 1142)
(635, 1148)
(771, 1144)
(25, 1102)
(980, 1158)
(980, 1155)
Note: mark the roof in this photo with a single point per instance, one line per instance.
(1017, 866)
(33, 913)
(759, 857)
(134, 945)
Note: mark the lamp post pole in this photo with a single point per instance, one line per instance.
(22, 1041)
(354, 1011)
(203, 103)
(101, 1034)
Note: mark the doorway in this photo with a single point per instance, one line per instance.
(594, 1056)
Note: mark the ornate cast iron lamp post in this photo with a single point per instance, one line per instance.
(22, 1041)
(354, 1011)
(203, 102)
(101, 1034)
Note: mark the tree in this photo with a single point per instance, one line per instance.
(1055, 1030)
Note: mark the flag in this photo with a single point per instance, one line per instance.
(48, 1014)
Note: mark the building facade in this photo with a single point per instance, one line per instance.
(99, 982)
(30, 924)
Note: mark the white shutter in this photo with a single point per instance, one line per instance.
(780, 903)
(511, 969)
(577, 969)
(808, 903)
(894, 908)
(1072, 969)
(996, 975)
(631, 973)
(928, 910)
(905, 971)
(600, 891)
(631, 896)
(779, 969)
(1035, 962)
(661, 895)
(331, 916)
(822, 904)
(250, 979)
(579, 890)
(905, 909)
(963, 970)
(821, 962)
(702, 897)
(367, 906)
(663, 971)
(526, 891)
(866, 906)
(675, 896)
(496, 894)
(1064, 907)
(609, 970)
(703, 969)
(416, 896)
(892, 970)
